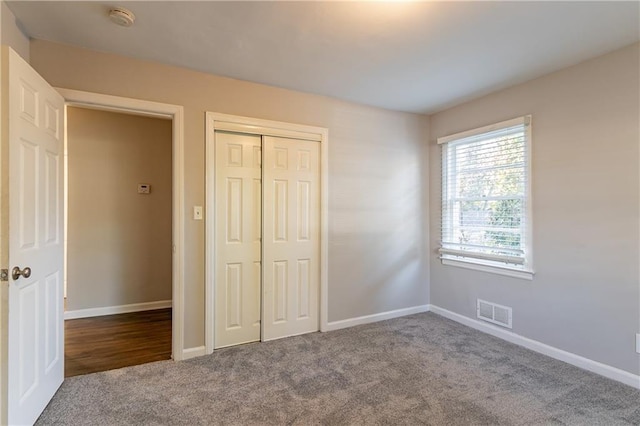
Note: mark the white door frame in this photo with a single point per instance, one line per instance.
(176, 114)
(234, 123)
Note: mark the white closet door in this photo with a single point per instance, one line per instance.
(291, 240)
(237, 241)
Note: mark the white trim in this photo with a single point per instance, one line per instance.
(120, 309)
(492, 269)
(324, 230)
(481, 256)
(65, 203)
(257, 126)
(605, 370)
(209, 238)
(193, 352)
(176, 114)
(217, 121)
(525, 120)
(528, 231)
(367, 319)
(104, 102)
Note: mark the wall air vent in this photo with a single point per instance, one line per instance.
(494, 313)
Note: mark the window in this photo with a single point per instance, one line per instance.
(486, 200)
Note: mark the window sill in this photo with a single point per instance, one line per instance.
(490, 268)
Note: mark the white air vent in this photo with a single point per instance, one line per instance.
(494, 313)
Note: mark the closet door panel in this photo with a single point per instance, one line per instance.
(238, 218)
(291, 231)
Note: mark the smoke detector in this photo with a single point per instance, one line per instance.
(121, 16)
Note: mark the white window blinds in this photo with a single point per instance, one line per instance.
(485, 195)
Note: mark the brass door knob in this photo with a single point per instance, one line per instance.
(17, 273)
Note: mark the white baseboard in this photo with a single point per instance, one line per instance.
(193, 352)
(337, 325)
(121, 309)
(568, 357)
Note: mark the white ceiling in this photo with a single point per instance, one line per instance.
(408, 56)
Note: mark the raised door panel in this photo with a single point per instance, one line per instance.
(234, 212)
(29, 340)
(256, 295)
(52, 198)
(304, 211)
(280, 210)
(29, 192)
(233, 290)
(29, 103)
(52, 338)
(303, 278)
(280, 291)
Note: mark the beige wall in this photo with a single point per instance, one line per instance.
(119, 241)
(11, 34)
(376, 170)
(585, 295)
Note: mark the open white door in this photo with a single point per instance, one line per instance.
(291, 237)
(36, 328)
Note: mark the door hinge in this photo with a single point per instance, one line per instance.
(4, 275)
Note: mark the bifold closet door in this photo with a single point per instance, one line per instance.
(291, 237)
(238, 232)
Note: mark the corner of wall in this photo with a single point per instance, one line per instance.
(12, 32)
(426, 237)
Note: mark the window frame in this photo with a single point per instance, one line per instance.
(448, 256)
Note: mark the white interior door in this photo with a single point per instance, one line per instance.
(291, 238)
(237, 238)
(36, 329)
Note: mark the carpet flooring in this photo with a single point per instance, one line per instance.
(419, 369)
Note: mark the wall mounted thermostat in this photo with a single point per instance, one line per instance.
(144, 188)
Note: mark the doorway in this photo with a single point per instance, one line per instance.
(175, 113)
(118, 248)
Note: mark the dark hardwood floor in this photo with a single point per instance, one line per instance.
(115, 341)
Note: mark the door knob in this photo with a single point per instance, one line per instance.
(17, 273)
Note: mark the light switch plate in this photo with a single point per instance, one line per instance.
(197, 212)
(144, 188)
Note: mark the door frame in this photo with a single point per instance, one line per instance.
(235, 123)
(175, 113)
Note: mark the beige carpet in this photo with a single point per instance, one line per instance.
(420, 369)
